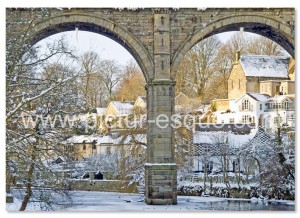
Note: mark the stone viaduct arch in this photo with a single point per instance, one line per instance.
(91, 23)
(158, 38)
(265, 26)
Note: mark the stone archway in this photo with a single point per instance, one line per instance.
(265, 26)
(85, 22)
(158, 38)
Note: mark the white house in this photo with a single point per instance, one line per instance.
(210, 146)
(279, 111)
(249, 108)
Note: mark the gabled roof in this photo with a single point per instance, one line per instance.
(261, 137)
(181, 94)
(265, 66)
(280, 98)
(122, 107)
(142, 99)
(255, 96)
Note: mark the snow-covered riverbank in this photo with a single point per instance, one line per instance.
(112, 201)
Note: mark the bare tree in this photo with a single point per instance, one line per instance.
(199, 65)
(263, 46)
(111, 75)
(94, 90)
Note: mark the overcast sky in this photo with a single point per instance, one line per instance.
(107, 49)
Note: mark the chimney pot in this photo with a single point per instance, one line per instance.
(237, 56)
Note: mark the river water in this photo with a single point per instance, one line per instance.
(241, 205)
(118, 202)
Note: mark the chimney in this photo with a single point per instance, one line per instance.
(237, 56)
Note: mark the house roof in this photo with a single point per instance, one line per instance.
(241, 128)
(143, 98)
(265, 66)
(280, 98)
(255, 96)
(210, 142)
(123, 107)
(108, 139)
(181, 94)
(261, 137)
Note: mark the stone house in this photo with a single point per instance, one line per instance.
(140, 102)
(140, 105)
(249, 70)
(119, 108)
(181, 99)
(220, 104)
(84, 146)
(277, 87)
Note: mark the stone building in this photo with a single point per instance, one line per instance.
(84, 146)
(249, 70)
(277, 87)
(119, 108)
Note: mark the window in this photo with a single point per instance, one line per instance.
(260, 106)
(240, 84)
(84, 146)
(94, 146)
(246, 105)
(209, 166)
(286, 105)
(247, 119)
(108, 150)
(231, 120)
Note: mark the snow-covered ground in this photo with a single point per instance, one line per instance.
(114, 202)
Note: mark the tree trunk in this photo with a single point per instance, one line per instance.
(29, 182)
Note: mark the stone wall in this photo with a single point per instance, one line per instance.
(103, 186)
(237, 82)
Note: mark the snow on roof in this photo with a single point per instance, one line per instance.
(143, 98)
(265, 66)
(280, 98)
(180, 93)
(108, 139)
(81, 138)
(234, 140)
(259, 97)
(123, 107)
(100, 110)
(255, 96)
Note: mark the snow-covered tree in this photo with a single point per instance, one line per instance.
(40, 85)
